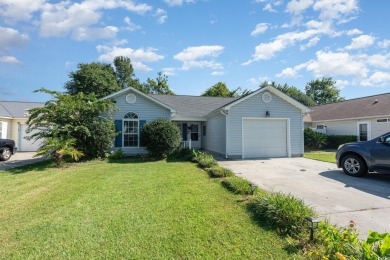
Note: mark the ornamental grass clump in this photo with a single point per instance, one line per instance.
(204, 160)
(219, 172)
(283, 211)
(237, 185)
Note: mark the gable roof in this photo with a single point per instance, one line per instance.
(275, 91)
(371, 106)
(193, 106)
(17, 109)
(130, 89)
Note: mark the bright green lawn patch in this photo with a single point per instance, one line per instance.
(133, 209)
(324, 156)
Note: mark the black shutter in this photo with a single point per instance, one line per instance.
(141, 125)
(118, 128)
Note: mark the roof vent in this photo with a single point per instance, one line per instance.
(376, 101)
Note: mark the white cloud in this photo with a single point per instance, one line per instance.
(169, 71)
(10, 60)
(312, 42)
(138, 57)
(381, 61)
(11, 38)
(341, 84)
(64, 18)
(287, 73)
(362, 41)
(260, 28)
(335, 9)
(131, 26)
(217, 73)
(200, 57)
(83, 34)
(177, 2)
(19, 10)
(161, 15)
(296, 7)
(377, 79)
(354, 32)
(268, 7)
(384, 44)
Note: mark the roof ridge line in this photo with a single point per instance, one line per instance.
(352, 99)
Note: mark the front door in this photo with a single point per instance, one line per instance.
(195, 135)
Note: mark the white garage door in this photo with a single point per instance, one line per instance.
(26, 145)
(265, 138)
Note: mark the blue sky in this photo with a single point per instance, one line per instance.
(197, 42)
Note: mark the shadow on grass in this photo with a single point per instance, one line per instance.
(38, 166)
(132, 159)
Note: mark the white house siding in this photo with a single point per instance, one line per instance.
(215, 138)
(255, 107)
(145, 109)
(339, 127)
(379, 128)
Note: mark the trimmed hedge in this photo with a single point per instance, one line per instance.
(219, 172)
(237, 185)
(334, 141)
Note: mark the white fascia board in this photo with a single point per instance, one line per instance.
(278, 93)
(350, 119)
(188, 118)
(120, 92)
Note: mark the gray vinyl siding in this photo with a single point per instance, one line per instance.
(145, 109)
(339, 127)
(255, 107)
(215, 138)
(379, 128)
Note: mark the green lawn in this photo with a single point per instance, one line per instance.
(325, 156)
(96, 209)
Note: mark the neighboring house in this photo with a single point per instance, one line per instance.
(265, 123)
(13, 117)
(366, 117)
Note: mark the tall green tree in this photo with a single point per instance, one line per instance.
(323, 91)
(124, 72)
(157, 86)
(76, 117)
(291, 91)
(221, 90)
(98, 78)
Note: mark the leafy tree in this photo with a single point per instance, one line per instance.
(95, 77)
(323, 91)
(74, 117)
(125, 73)
(57, 148)
(161, 137)
(221, 90)
(291, 91)
(157, 86)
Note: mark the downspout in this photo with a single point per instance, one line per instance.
(226, 113)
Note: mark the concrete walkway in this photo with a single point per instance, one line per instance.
(20, 159)
(336, 196)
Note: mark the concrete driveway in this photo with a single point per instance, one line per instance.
(20, 159)
(334, 195)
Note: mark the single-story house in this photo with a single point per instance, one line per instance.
(265, 123)
(13, 117)
(366, 117)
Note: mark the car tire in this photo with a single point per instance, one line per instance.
(6, 154)
(354, 165)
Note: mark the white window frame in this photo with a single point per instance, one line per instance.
(123, 129)
(368, 130)
(321, 127)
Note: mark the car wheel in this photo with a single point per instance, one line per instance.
(6, 154)
(353, 165)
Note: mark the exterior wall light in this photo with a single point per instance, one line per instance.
(267, 114)
(312, 223)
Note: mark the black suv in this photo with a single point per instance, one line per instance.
(358, 158)
(7, 148)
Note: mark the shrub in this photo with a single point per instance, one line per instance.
(206, 161)
(285, 212)
(334, 141)
(314, 140)
(219, 172)
(161, 137)
(237, 185)
(185, 154)
(117, 155)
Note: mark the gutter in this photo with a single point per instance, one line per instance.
(225, 112)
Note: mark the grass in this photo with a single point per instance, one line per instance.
(132, 209)
(321, 155)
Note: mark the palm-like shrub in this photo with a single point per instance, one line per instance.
(57, 148)
(314, 140)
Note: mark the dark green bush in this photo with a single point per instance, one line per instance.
(184, 154)
(334, 141)
(117, 155)
(314, 140)
(161, 137)
(206, 161)
(219, 172)
(237, 185)
(285, 212)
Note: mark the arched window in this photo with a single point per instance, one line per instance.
(130, 130)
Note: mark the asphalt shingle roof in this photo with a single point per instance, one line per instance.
(378, 105)
(17, 109)
(193, 106)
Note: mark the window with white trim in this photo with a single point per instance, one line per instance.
(320, 126)
(382, 120)
(130, 130)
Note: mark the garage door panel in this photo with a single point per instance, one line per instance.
(264, 138)
(27, 145)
